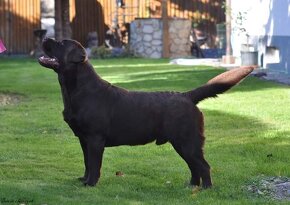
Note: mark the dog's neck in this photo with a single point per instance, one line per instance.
(74, 81)
(79, 76)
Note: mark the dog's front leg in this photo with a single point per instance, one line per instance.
(95, 150)
(83, 144)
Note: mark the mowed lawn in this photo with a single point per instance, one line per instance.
(247, 136)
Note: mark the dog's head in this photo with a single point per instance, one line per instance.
(62, 55)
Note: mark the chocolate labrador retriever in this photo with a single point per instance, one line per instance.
(103, 115)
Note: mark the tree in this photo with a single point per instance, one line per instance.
(165, 29)
(228, 28)
(228, 58)
(62, 20)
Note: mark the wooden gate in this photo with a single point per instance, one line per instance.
(18, 20)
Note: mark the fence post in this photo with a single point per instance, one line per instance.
(165, 28)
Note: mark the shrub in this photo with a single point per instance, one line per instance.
(103, 52)
(100, 52)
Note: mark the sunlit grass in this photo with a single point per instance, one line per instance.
(40, 158)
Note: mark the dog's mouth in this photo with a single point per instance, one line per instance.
(49, 62)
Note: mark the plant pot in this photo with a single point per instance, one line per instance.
(249, 58)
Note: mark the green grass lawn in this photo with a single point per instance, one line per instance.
(40, 158)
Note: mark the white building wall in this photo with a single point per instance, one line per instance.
(268, 24)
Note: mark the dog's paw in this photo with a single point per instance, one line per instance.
(90, 183)
(86, 184)
(82, 179)
(206, 186)
(191, 184)
(195, 189)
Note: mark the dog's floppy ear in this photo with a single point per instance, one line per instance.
(77, 55)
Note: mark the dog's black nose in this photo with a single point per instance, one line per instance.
(45, 39)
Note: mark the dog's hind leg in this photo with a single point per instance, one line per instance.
(85, 153)
(186, 155)
(197, 164)
(95, 146)
(204, 169)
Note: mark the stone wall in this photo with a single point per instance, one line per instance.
(146, 37)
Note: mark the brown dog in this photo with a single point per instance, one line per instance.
(102, 115)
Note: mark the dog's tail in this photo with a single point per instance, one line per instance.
(219, 84)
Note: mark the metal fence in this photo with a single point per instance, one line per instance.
(93, 15)
(19, 18)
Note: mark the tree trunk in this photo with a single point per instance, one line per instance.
(62, 20)
(229, 50)
(58, 20)
(67, 32)
(165, 29)
(228, 58)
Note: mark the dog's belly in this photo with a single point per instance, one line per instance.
(125, 140)
(134, 126)
(131, 132)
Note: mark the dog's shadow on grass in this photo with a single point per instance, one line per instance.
(227, 124)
